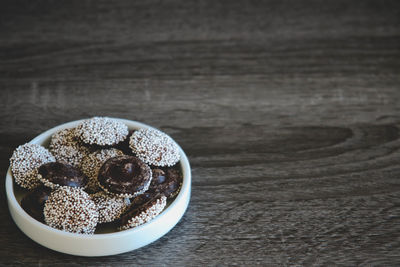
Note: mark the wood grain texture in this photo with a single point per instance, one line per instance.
(289, 112)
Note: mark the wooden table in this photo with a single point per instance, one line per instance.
(288, 110)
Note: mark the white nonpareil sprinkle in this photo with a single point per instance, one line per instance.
(25, 161)
(67, 147)
(109, 207)
(146, 215)
(72, 210)
(154, 147)
(92, 163)
(102, 131)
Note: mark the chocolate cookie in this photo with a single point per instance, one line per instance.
(33, 202)
(72, 210)
(167, 182)
(102, 131)
(67, 147)
(142, 210)
(92, 163)
(25, 162)
(110, 207)
(154, 147)
(125, 176)
(56, 174)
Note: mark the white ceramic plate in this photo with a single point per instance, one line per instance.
(101, 244)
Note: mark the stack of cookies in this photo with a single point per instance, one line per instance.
(96, 173)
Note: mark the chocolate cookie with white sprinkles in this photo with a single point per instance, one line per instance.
(56, 174)
(102, 131)
(154, 147)
(125, 176)
(142, 210)
(110, 207)
(25, 162)
(72, 210)
(66, 146)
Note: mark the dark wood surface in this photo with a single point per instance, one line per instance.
(288, 110)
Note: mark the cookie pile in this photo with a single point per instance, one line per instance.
(98, 172)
